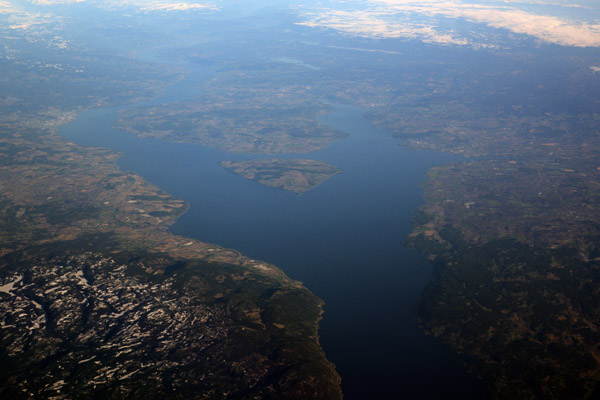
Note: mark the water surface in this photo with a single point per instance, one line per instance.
(342, 239)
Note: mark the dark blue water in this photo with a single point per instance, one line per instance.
(342, 239)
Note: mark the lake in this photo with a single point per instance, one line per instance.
(343, 239)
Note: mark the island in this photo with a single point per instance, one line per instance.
(294, 175)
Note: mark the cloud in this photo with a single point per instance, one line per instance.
(160, 5)
(52, 2)
(165, 6)
(6, 7)
(392, 18)
(18, 18)
(544, 3)
(374, 24)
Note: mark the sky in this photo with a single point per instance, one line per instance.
(444, 22)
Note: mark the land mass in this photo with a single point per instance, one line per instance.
(514, 235)
(97, 298)
(517, 261)
(241, 119)
(294, 175)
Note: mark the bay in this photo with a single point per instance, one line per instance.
(343, 239)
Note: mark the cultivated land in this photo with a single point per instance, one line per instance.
(241, 119)
(296, 176)
(92, 284)
(97, 298)
(514, 237)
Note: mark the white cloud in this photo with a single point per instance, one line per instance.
(390, 18)
(146, 5)
(52, 2)
(374, 24)
(544, 3)
(21, 19)
(160, 5)
(166, 6)
(6, 7)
